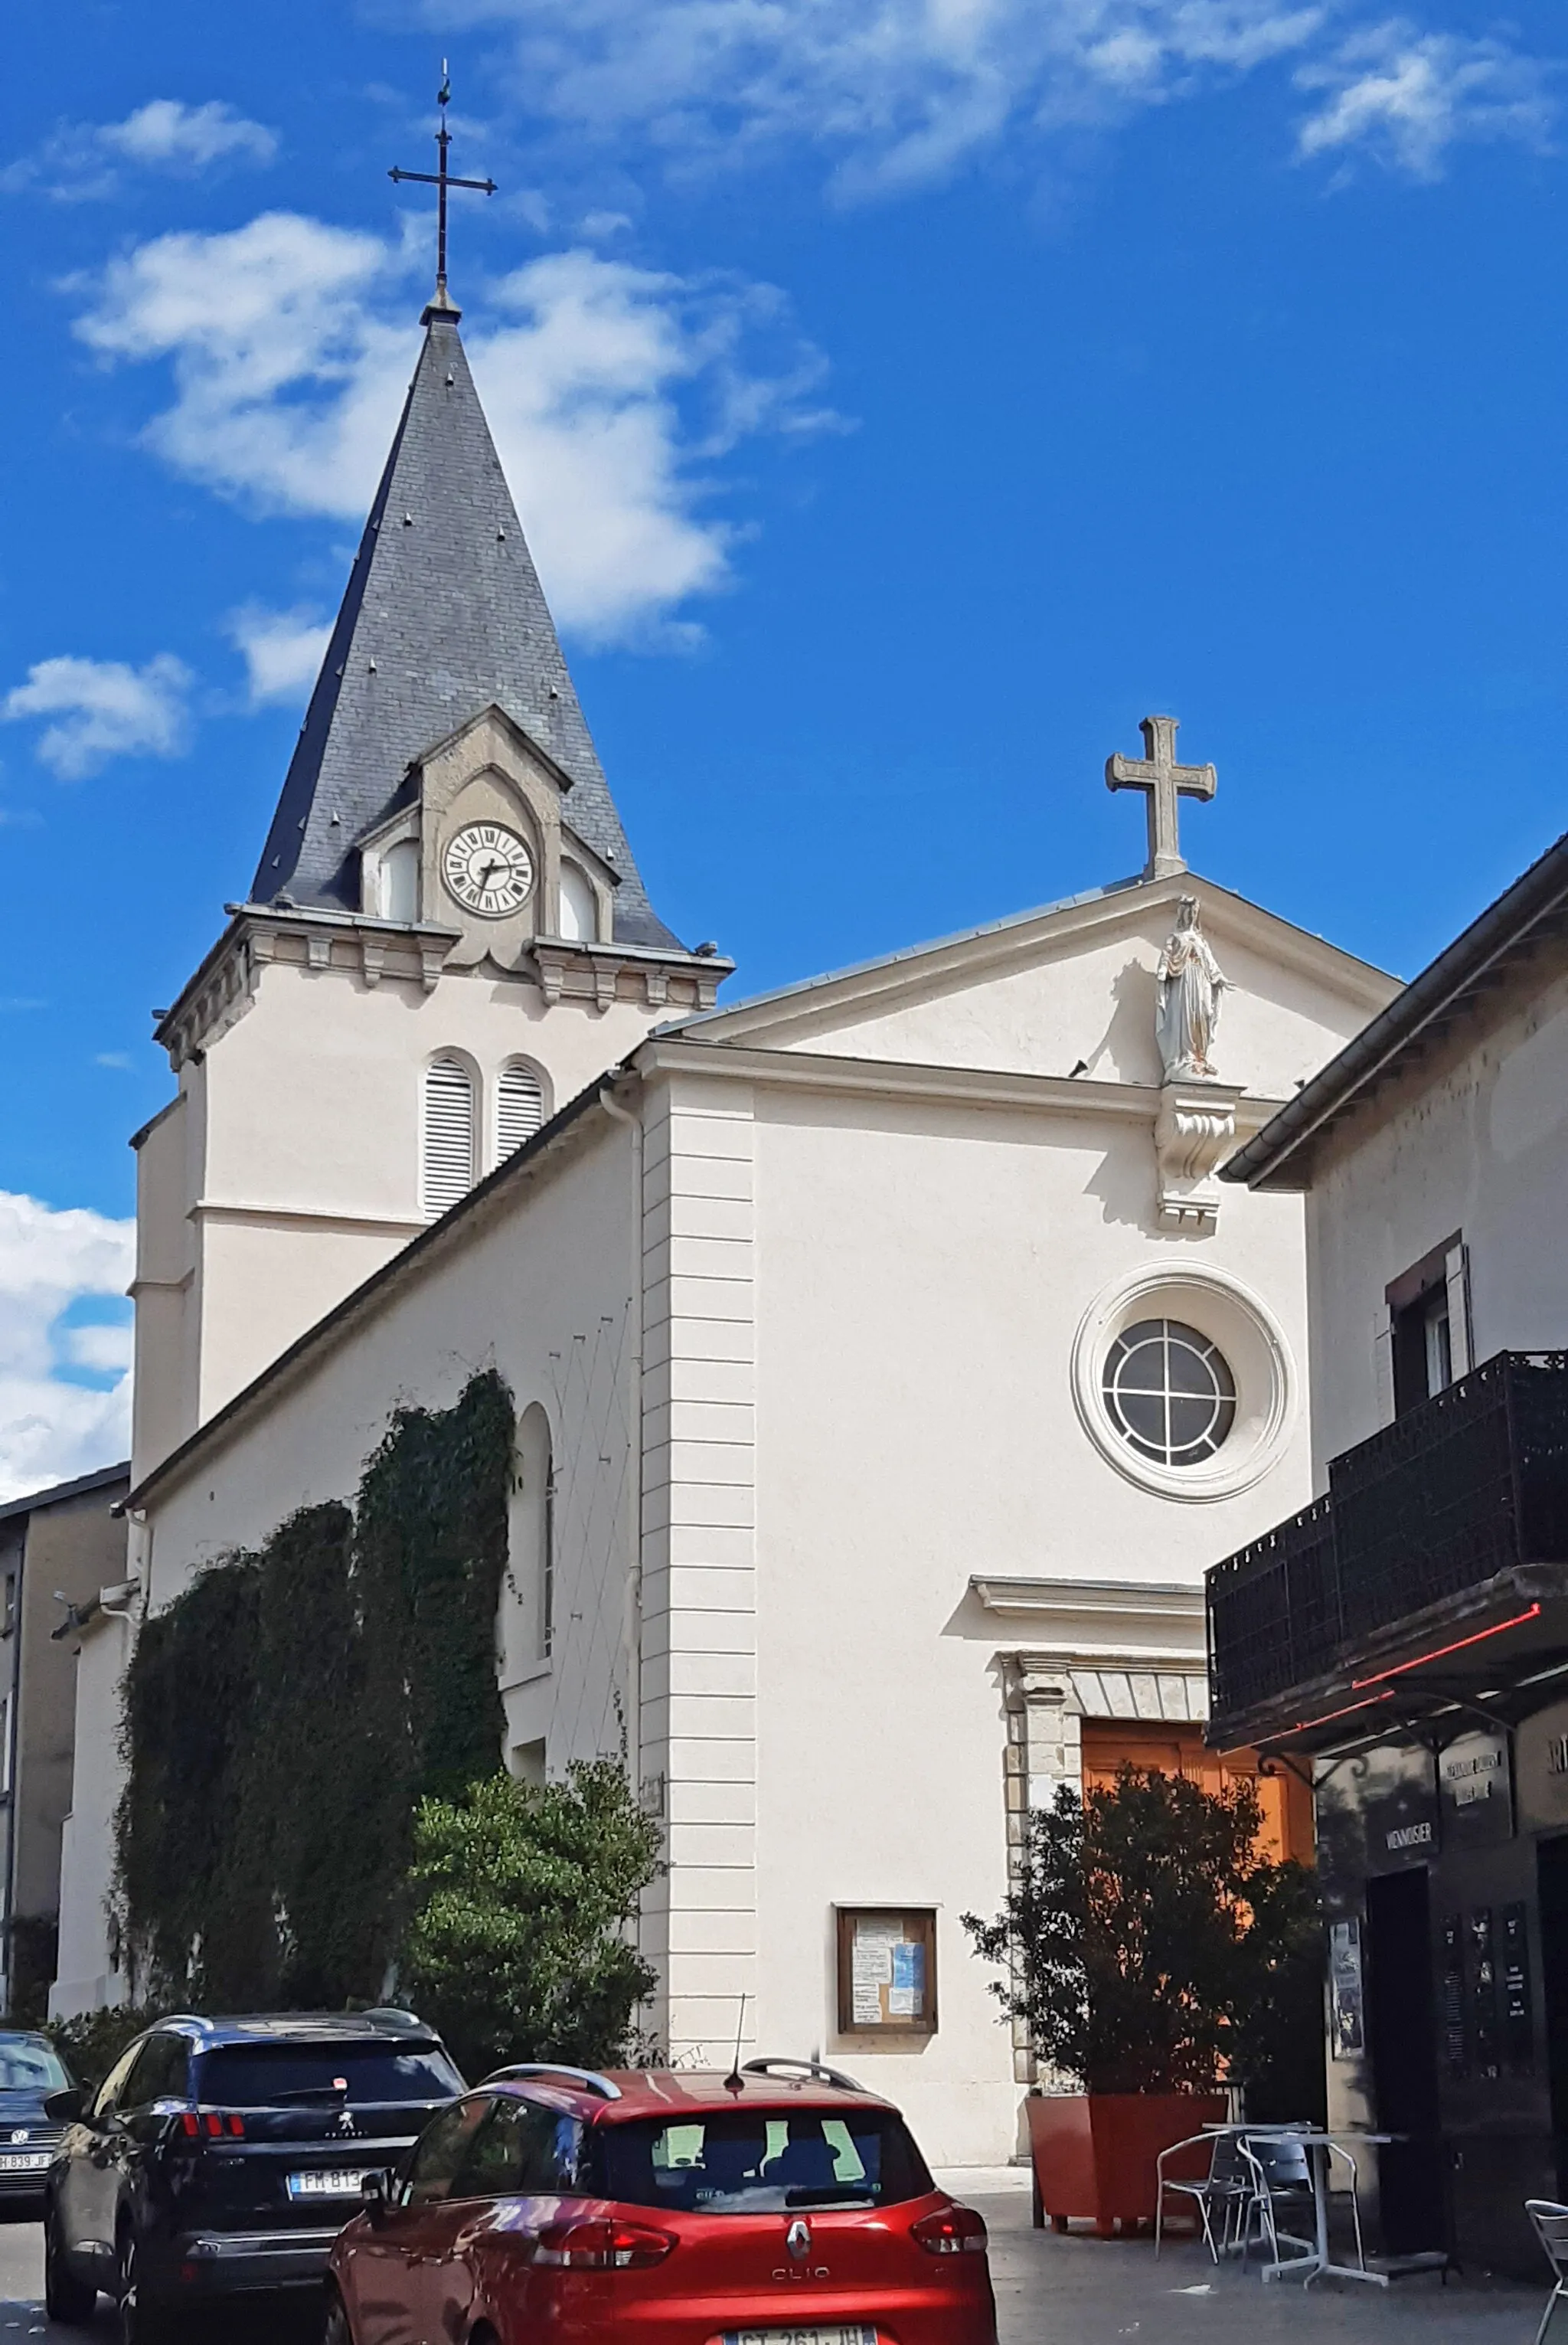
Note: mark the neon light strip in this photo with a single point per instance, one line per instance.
(1441, 1651)
(1303, 1724)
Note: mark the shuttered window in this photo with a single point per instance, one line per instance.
(518, 1109)
(447, 1138)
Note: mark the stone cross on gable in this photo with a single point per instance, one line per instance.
(1164, 783)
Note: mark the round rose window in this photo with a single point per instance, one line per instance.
(1169, 1391)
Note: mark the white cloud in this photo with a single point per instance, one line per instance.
(1408, 96)
(52, 1428)
(292, 346)
(898, 91)
(166, 132)
(104, 1351)
(118, 1060)
(103, 709)
(282, 650)
(81, 161)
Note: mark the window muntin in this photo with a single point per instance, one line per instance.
(518, 1107)
(741, 2162)
(1168, 1392)
(447, 1136)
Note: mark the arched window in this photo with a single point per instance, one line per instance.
(400, 881)
(518, 1107)
(447, 1135)
(526, 1625)
(579, 905)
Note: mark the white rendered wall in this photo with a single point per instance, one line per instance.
(299, 1177)
(1079, 985)
(540, 1289)
(85, 1978)
(911, 1278)
(1473, 1144)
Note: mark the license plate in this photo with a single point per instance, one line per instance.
(799, 2337)
(330, 2182)
(26, 2161)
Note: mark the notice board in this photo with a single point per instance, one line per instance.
(886, 1970)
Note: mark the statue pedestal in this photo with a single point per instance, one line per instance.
(1194, 1132)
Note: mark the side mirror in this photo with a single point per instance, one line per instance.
(65, 2108)
(375, 2189)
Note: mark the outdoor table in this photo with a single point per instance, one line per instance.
(1317, 2260)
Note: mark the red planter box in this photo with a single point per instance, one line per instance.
(1094, 2152)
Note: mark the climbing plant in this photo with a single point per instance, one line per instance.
(285, 1715)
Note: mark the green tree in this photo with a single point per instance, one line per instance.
(523, 1896)
(1147, 1947)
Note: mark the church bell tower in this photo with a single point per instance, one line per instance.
(446, 940)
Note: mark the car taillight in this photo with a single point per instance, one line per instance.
(211, 2125)
(956, 2231)
(598, 2245)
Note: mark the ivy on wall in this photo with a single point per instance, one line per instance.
(285, 1716)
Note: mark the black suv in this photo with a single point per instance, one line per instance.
(225, 2155)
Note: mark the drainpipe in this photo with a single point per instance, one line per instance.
(631, 1633)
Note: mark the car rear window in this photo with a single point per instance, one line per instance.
(741, 2162)
(263, 2076)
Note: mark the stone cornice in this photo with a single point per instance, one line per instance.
(356, 944)
(1073, 1095)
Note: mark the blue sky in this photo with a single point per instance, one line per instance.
(902, 397)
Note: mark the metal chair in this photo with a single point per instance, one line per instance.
(1225, 2188)
(1282, 2175)
(1551, 2222)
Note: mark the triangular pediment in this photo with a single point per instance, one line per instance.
(1071, 989)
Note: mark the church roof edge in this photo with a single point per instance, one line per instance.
(1164, 889)
(1452, 982)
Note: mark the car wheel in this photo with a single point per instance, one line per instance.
(142, 2320)
(65, 2297)
(337, 2328)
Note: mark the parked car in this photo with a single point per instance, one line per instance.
(781, 2203)
(221, 2156)
(30, 2071)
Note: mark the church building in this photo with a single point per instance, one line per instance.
(888, 1361)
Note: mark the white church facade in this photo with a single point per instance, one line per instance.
(889, 1363)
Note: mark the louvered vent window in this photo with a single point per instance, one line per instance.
(518, 1109)
(447, 1143)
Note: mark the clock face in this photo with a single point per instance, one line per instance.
(488, 870)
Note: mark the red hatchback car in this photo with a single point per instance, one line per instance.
(780, 2206)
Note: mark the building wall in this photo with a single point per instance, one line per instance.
(1473, 1144)
(912, 1278)
(288, 1171)
(74, 1549)
(543, 1295)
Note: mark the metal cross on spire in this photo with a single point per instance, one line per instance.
(1165, 784)
(441, 179)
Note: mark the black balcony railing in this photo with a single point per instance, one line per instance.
(1453, 1492)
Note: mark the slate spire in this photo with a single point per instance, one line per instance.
(444, 613)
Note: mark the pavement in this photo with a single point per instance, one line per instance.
(1077, 2291)
(1085, 2290)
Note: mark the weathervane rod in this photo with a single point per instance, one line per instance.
(441, 179)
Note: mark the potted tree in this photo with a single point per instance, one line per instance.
(1141, 1941)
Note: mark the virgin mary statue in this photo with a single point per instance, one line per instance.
(1190, 985)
